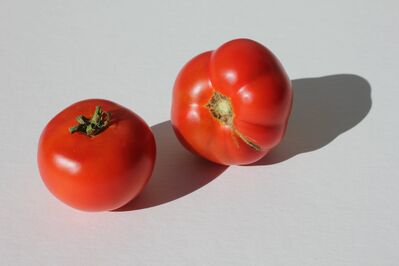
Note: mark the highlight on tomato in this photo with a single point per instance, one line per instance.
(231, 105)
(96, 155)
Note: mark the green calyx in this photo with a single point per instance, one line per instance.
(94, 125)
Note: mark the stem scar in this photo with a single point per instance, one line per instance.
(221, 109)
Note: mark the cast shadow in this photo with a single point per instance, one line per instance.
(177, 172)
(323, 108)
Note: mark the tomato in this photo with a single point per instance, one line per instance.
(231, 105)
(98, 163)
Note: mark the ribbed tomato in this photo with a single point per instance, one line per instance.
(99, 162)
(231, 105)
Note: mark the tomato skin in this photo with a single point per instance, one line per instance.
(97, 173)
(259, 90)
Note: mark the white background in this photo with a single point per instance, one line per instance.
(328, 195)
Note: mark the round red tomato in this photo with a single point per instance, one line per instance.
(99, 162)
(231, 105)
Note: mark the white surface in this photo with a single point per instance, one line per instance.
(327, 196)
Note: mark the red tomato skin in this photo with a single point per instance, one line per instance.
(260, 94)
(97, 173)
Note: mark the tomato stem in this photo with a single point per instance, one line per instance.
(94, 125)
